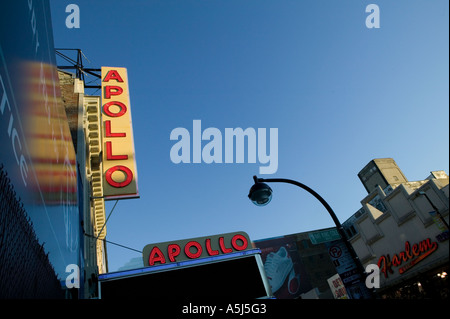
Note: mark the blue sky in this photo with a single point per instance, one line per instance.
(339, 93)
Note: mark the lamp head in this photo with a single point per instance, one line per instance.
(260, 194)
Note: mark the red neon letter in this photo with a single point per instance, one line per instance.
(385, 265)
(109, 155)
(415, 250)
(223, 248)
(173, 250)
(235, 239)
(124, 169)
(112, 75)
(156, 256)
(208, 248)
(117, 91)
(123, 109)
(108, 132)
(188, 252)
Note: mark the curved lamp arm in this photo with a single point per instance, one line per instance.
(306, 188)
(338, 224)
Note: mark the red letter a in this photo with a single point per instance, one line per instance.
(113, 75)
(156, 255)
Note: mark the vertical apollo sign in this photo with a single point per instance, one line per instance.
(119, 163)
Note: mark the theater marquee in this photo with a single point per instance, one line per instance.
(201, 247)
(119, 163)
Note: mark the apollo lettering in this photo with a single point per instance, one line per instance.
(110, 92)
(118, 153)
(195, 248)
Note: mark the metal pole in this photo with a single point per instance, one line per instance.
(107, 219)
(435, 208)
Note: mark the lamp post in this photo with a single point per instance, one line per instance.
(261, 194)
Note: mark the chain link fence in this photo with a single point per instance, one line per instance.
(25, 270)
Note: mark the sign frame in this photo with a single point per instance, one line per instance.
(118, 156)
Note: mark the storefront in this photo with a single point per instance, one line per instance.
(432, 284)
(403, 229)
(217, 266)
(418, 271)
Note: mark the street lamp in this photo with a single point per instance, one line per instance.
(261, 194)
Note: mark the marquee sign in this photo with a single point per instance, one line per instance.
(408, 258)
(181, 250)
(119, 163)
